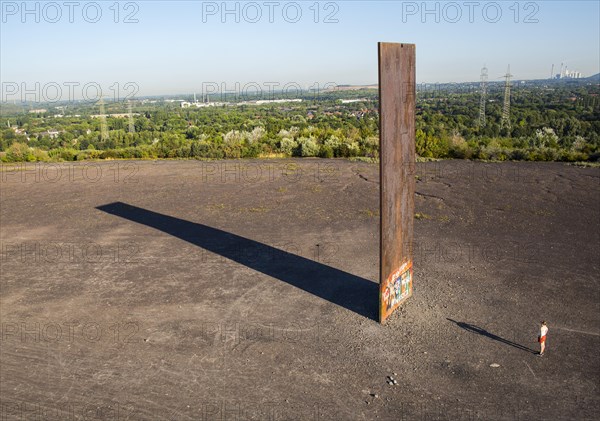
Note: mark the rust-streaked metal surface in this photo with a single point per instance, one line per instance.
(397, 176)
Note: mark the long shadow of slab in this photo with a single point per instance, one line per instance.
(483, 332)
(336, 286)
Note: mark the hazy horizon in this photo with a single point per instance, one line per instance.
(178, 47)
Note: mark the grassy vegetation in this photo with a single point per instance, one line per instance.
(560, 122)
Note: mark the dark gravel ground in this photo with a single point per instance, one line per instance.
(186, 290)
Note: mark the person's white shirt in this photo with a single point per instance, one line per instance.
(543, 330)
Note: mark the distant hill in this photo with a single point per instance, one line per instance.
(595, 78)
(353, 87)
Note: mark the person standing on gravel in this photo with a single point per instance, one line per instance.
(542, 338)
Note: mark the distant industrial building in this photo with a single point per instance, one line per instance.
(206, 102)
(348, 101)
(565, 73)
(115, 115)
(200, 104)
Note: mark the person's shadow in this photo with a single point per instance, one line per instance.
(342, 288)
(480, 331)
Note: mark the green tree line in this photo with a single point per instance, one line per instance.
(546, 123)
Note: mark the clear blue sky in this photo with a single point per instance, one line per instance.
(172, 49)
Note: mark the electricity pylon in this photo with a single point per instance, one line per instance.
(482, 99)
(131, 125)
(505, 122)
(103, 125)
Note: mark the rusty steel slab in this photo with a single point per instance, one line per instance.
(397, 176)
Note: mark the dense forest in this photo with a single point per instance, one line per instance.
(548, 122)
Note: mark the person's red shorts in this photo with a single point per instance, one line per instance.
(543, 339)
